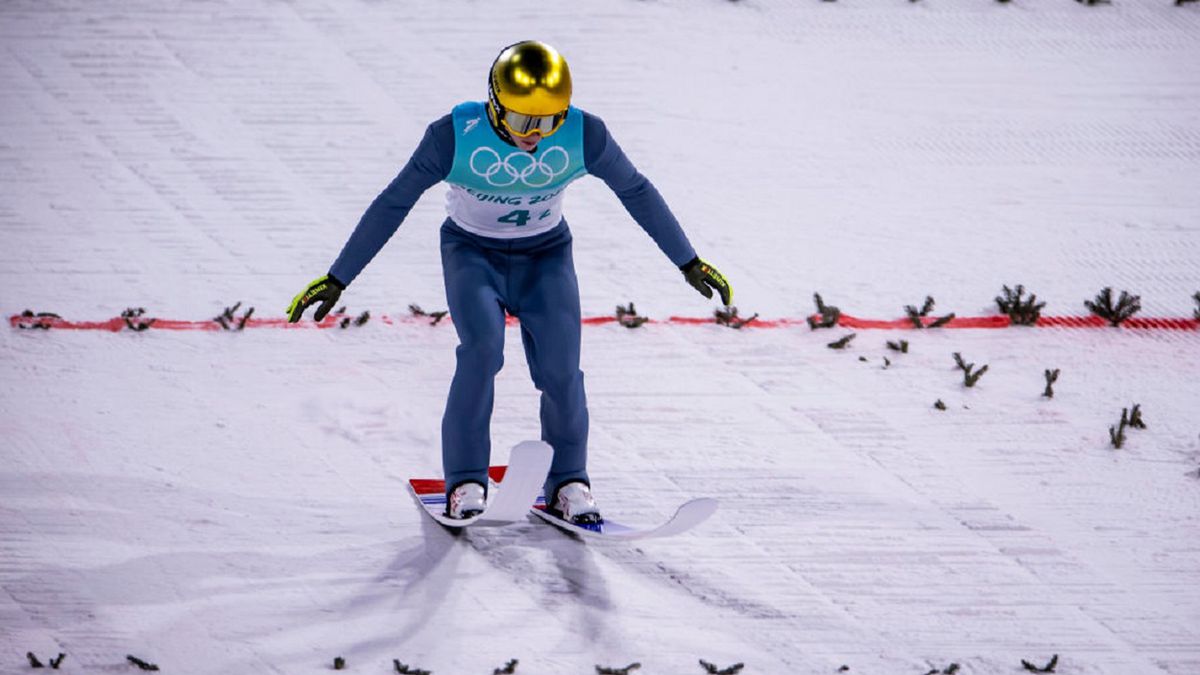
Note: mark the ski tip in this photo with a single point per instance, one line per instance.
(533, 451)
(701, 507)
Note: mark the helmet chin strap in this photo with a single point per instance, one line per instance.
(493, 119)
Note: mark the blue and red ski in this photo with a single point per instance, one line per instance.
(512, 488)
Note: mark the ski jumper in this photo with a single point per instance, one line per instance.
(506, 247)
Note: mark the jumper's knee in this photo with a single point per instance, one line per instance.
(560, 385)
(484, 356)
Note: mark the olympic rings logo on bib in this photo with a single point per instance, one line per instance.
(534, 172)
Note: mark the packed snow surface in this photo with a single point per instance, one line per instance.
(235, 502)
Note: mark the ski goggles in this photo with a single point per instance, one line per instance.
(520, 124)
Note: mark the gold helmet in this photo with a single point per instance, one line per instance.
(529, 89)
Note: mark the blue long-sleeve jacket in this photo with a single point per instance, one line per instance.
(431, 162)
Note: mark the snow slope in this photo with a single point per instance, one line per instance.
(234, 502)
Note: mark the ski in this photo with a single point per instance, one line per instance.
(687, 516)
(512, 488)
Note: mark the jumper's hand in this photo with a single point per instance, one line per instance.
(325, 290)
(705, 278)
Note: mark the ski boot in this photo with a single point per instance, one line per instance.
(573, 503)
(466, 500)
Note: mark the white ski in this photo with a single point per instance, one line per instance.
(687, 516)
(512, 490)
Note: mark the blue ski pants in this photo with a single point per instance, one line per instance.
(533, 279)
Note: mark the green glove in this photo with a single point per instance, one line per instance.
(704, 278)
(325, 290)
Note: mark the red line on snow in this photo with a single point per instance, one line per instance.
(118, 324)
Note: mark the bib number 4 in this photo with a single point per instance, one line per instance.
(520, 217)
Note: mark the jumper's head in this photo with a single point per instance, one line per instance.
(529, 90)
